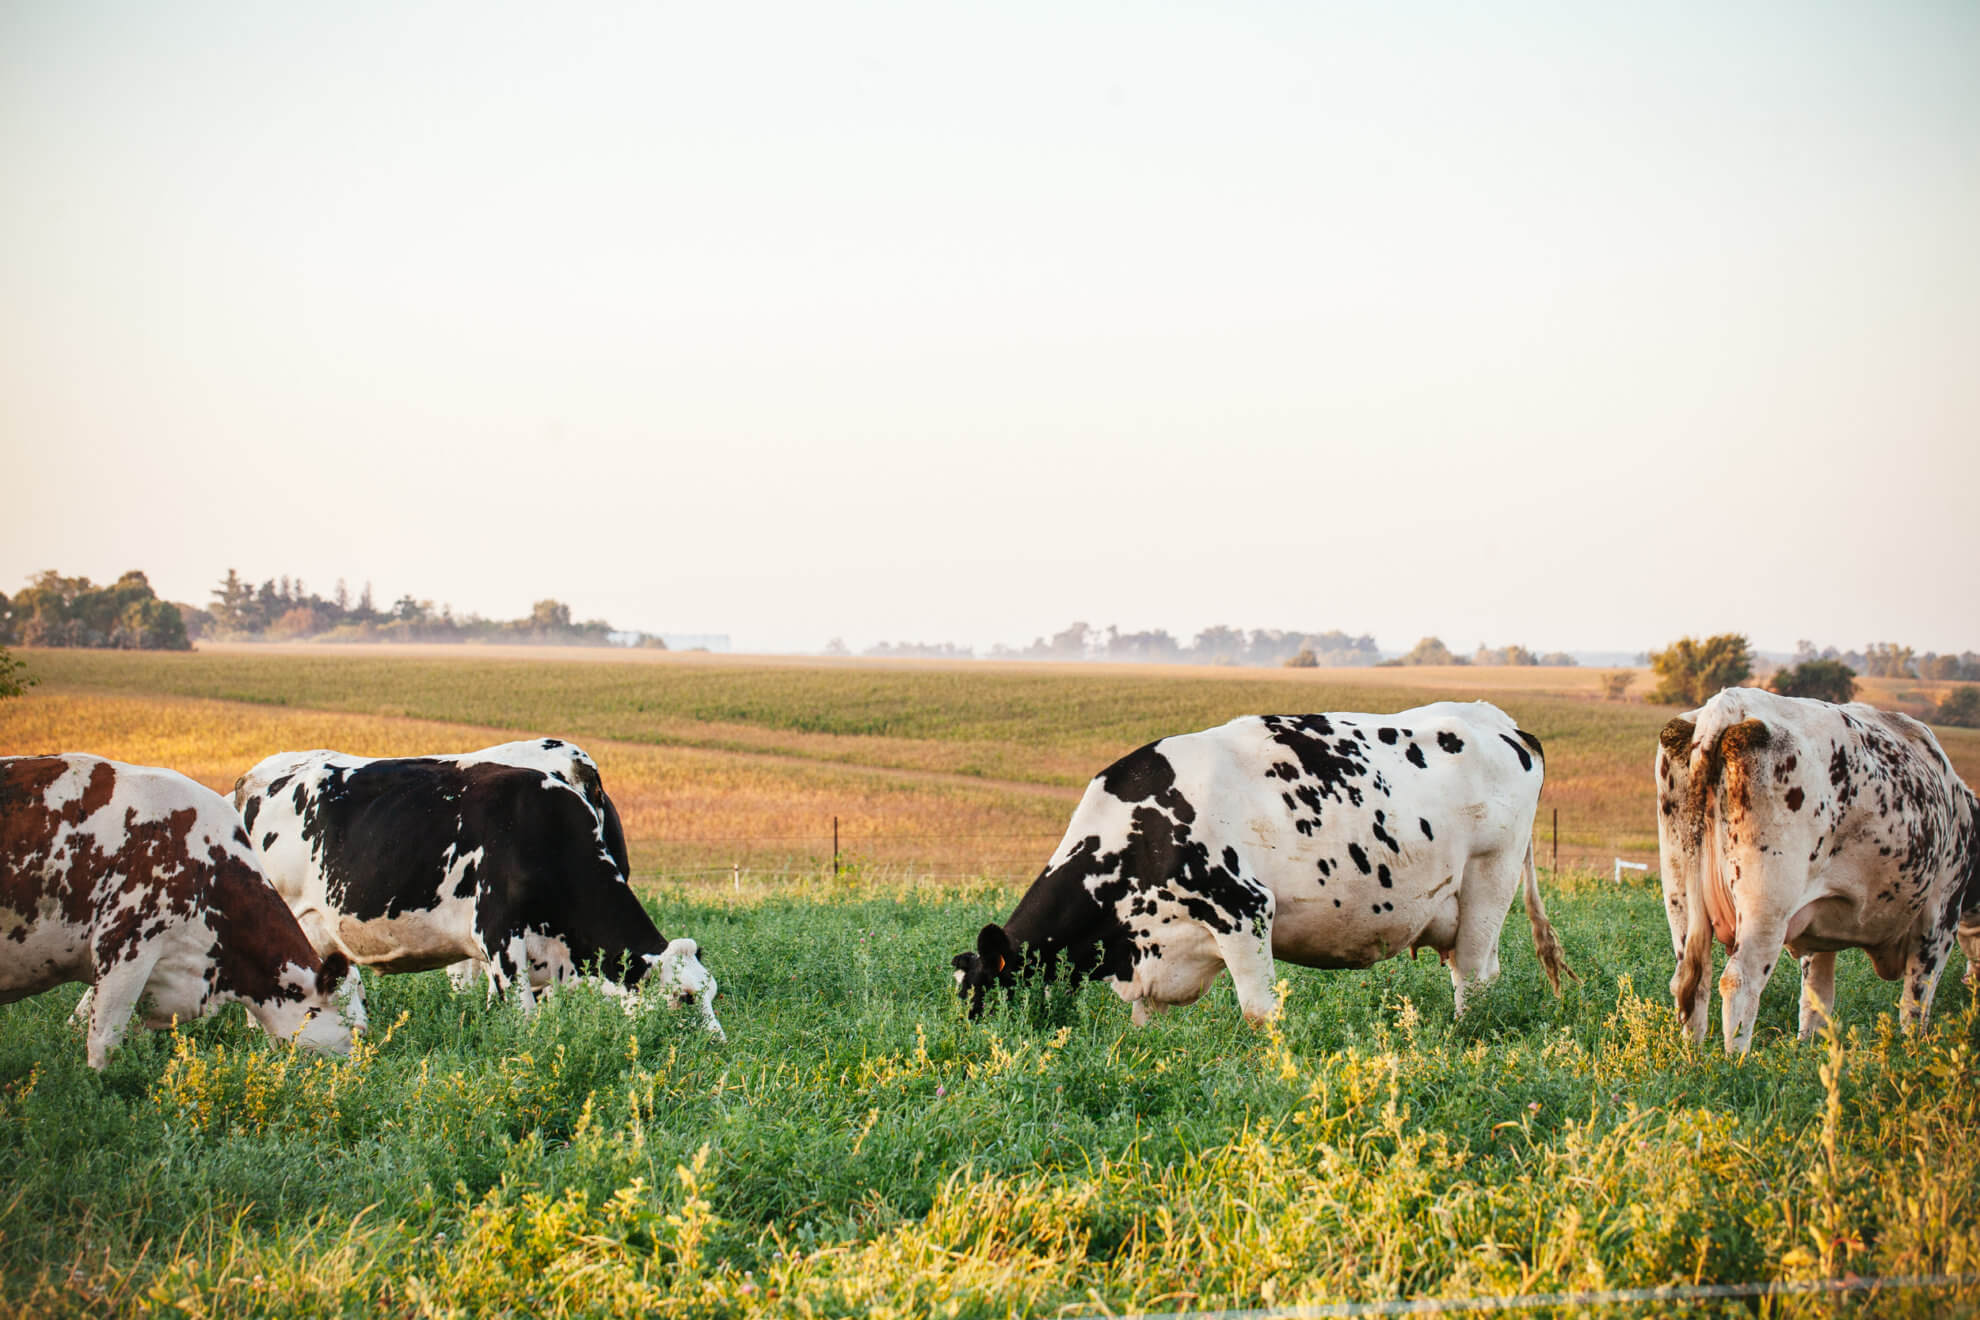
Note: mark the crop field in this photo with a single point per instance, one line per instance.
(858, 1146)
(951, 769)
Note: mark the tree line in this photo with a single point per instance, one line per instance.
(128, 615)
(1691, 671)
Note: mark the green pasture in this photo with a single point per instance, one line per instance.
(859, 1147)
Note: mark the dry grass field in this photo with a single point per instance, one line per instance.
(943, 768)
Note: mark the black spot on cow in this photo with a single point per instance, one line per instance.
(1385, 836)
(1360, 857)
(1387, 735)
(1794, 798)
(250, 811)
(1450, 742)
(1426, 827)
(1382, 874)
(1145, 775)
(1415, 756)
(268, 840)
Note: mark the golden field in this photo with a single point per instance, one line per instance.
(717, 762)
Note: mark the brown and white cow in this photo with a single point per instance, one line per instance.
(1784, 822)
(141, 882)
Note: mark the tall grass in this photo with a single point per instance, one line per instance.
(860, 1147)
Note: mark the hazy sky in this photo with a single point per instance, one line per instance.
(1568, 324)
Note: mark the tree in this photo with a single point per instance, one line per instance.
(1693, 672)
(1961, 708)
(550, 616)
(1305, 659)
(1824, 680)
(1429, 651)
(14, 677)
(1888, 660)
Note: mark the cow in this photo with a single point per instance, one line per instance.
(1332, 840)
(141, 883)
(1787, 822)
(511, 857)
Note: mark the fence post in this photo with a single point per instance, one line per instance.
(1557, 844)
(835, 847)
(735, 870)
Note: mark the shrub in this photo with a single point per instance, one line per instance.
(1692, 672)
(1304, 660)
(14, 678)
(1824, 680)
(1960, 708)
(1615, 685)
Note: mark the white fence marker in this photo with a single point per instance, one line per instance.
(1633, 866)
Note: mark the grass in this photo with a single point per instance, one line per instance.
(859, 1147)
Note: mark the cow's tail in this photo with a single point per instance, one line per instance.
(1552, 960)
(1722, 748)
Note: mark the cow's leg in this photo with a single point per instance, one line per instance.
(511, 966)
(1747, 970)
(1146, 1010)
(1489, 884)
(1969, 943)
(1249, 956)
(79, 1018)
(1818, 992)
(1922, 971)
(118, 989)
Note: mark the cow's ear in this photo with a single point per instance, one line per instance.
(962, 962)
(993, 946)
(335, 968)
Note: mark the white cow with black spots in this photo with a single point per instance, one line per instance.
(1789, 823)
(1330, 840)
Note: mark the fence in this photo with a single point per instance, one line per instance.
(833, 849)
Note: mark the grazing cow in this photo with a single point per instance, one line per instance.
(1788, 822)
(141, 883)
(1327, 840)
(511, 857)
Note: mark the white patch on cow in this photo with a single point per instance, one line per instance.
(680, 979)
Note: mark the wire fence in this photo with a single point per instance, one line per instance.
(1010, 855)
(1853, 1285)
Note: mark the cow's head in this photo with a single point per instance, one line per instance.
(993, 963)
(676, 974)
(319, 1008)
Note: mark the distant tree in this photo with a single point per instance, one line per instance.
(1824, 680)
(837, 646)
(1692, 672)
(1960, 708)
(1888, 660)
(14, 677)
(6, 620)
(59, 611)
(1558, 660)
(550, 616)
(1305, 659)
(1615, 684)
(408, 610)
(1429, 651)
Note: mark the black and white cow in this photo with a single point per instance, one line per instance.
(1785, 822)
(511, 857)
(1328, 840)
(140, 882)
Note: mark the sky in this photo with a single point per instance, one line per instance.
(1581, 326)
